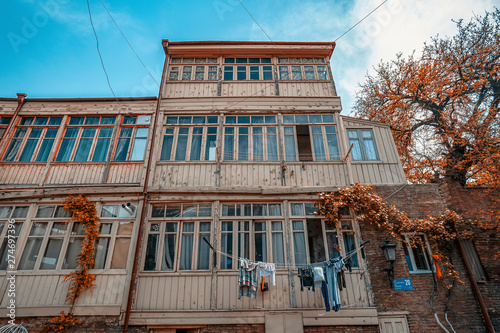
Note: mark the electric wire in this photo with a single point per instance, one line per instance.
(99, 52)
(360, 21)
(123, 35)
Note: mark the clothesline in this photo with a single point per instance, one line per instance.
(349, 255)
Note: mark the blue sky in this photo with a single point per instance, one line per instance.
(48, 49)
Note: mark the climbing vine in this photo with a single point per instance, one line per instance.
(83, 211)
(371, 209)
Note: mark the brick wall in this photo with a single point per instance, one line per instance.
(418, 201)
(472, 202)
(343, 329)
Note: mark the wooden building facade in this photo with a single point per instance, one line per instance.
(241, 138)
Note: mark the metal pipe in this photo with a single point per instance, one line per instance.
(20, 101)
(144, 205)
(475, 287)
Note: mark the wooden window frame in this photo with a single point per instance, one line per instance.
(250, 148)
(204, 138)
(4, 123)
(410, 256)
(81, 128)
(26, 137)
(364, 156)
(235, 68)
(66, 238)
(324, 139)
(6, 233)
(208, 68)
(135, 127)
(289, 71)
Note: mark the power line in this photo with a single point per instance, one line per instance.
(129, 43)
(99, 52)
(359, 21)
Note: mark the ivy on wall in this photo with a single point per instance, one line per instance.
(82, 210)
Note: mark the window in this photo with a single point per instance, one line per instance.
(248, 69)
(199, 69)
(132, 139)
(4, 122)
(314, 240)
(11, 222)
(187, 236)
(193, 140)
(255, 139)
(302, 69)
(364, 148)
(33, 139)
(86, 138)
(256, 240)
(310, 142)
(53, 243)
(259, 239)
(417, 253)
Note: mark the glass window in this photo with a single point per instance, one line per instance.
(417, 253)
(11, 224)
(189, 143)
(33, 139)
(363, 145)
(132, 139)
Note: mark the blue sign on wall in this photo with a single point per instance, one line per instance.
(402, 284)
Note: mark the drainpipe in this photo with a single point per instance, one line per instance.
(20, 101)
(143, 211)
(475, 287)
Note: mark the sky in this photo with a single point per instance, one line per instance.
(48, 48)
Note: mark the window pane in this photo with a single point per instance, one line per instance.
(260, 246)
(299, 248)
(278, 253)
(229, 144)
(173, 210)
(168, 255)
(297, 209)
(158, 211)
(274, 209)
(196, 144)
(319, 149)
(30, 253)
(83, 150)
(243, 144)
(332, 245)
(120, 253)
(45, 211)
(350, 246)
(151, 246)
(333, 148)
(226, 262)
(74, 248)
(180, 154)
(290, 154)
(5, 211)
(272, 144)
(122, 149)
(20, 212)
(139, 149)
(187, 246)
(258, 149)
(109, 211)
(46, 146)
(49, 259)
(203, 249)
(189, 210)
(102, 249)
(210, 150)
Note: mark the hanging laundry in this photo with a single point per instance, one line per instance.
(319, 276)
(324, 292)
(268, 269)
(341, 279)
(331, 269)
(247, 279)
(306, 277)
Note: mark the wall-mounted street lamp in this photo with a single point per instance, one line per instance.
(390, 257)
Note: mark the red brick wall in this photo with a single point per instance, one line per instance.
(418, 201)
(343, 329)
(472, 202)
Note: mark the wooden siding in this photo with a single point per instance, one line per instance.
(303, 89)
(189, 89)
(248, 88)
(250, 174)
(75, 173)
(354, 295)
(125, 173)
(377, 173)
(86, 107)
(21, 173)
(192, 292)
(184, 175)
(50, 290)
(316, 174)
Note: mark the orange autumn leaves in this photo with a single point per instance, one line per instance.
(369, 208)
(443, 105)
(82, 211)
